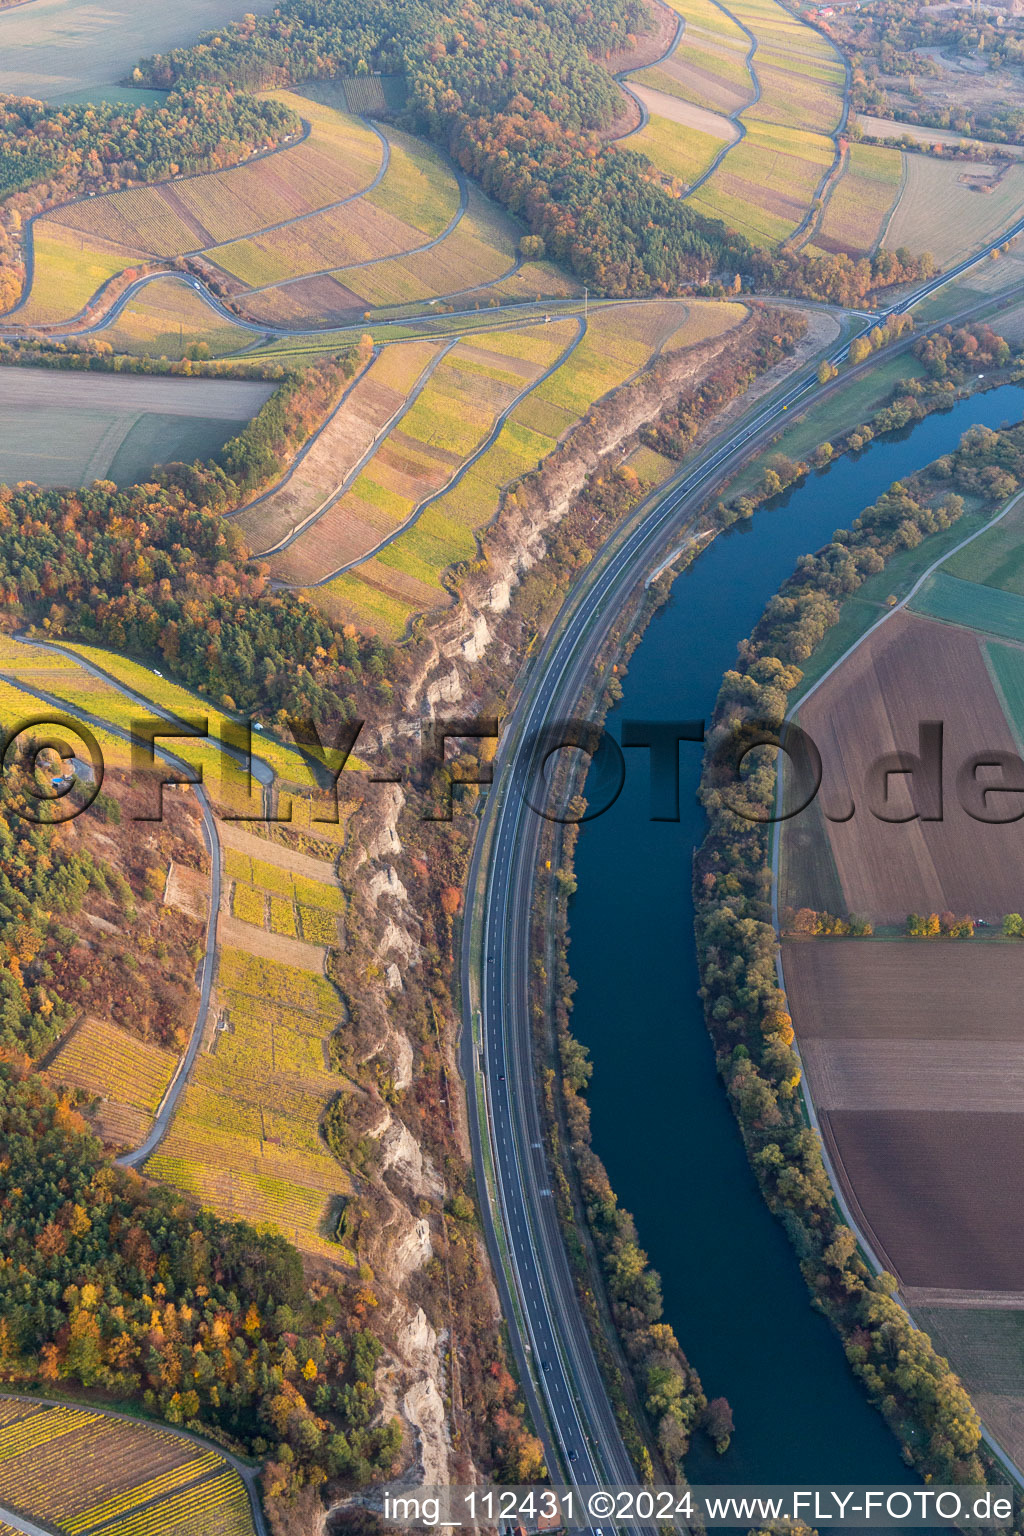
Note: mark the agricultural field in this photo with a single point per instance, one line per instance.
(708, 66)
(414, 203)
(129, 1076)
(682, 155)
(337, 160)
(856, 212)
(468, 384)
(984, 608)
(166, 318)
(287, 896)
(55, 48)
(766, 184)
(372, 401)
(69, 268)
(942, 209)
(909, 670)
(77, 1470)
(911, 1053)
(986, 1347)
(245, 1137)
(384, 592)
(800, 72)
(72, 428)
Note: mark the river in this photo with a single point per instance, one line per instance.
(661, 1121)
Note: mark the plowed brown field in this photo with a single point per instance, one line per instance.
(912, 671)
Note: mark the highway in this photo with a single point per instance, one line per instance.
(562, 1379)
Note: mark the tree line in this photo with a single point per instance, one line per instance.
(517, 95)
(122, 1286)
(909, 1382)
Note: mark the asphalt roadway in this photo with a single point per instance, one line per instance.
(561, 1377)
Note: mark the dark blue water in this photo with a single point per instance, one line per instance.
(661, 1121)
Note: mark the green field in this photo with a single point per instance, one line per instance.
(1006, 666)
(872, 599)
(997, 559)
(987, 609)
(855, 215)
(767, 183)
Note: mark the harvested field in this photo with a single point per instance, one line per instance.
(76, 1469)
(988, 609)
(890, 128)
(686, 115)
(843, 990)
(70, 428)
(939, 1193)
(350, 433)
(939, 213)
(766, 184)
(245, 1138)
(472, 382)
(910, 671)
(861, 202)
(965, 1076)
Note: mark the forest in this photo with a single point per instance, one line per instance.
(114, 1284)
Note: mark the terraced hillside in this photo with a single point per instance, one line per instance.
(747, 115)
(776, 88)
(348, 219)
(412, 465)
(79, 1470)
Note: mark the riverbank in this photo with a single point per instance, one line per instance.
(733, 1288)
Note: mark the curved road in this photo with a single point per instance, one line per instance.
(246, 1472)
(208, 965)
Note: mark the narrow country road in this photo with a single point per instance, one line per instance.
(249, 1474)
(208, 964)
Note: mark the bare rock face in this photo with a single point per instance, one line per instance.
(516, 539)
(403, 1156)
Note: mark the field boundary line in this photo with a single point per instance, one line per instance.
(464, 468)
(298, 218)
(373, 261)
(847, 1200)
(379, 437)
(904, 179)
